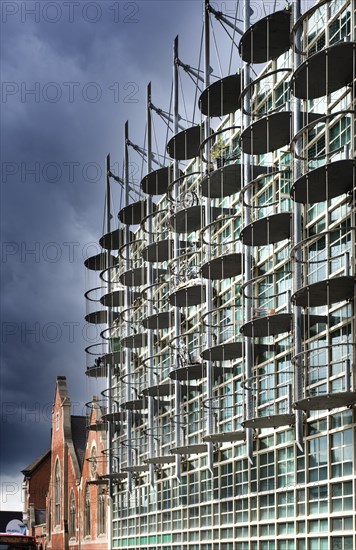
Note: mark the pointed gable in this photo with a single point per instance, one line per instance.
(36, 463)
(79, 437)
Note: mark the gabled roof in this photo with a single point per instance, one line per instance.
(79, 435)
(31, 467)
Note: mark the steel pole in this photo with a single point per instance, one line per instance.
(297, 237)
(127, 302)
(109, 366)
(208, 289)
(149, 210)
(177, 395)
(246, 176)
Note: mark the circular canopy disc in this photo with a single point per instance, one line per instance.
(325, 182)
(138, 276)
(134, 213)
(223, 352)
(272, 421)
(266, 39)
(100, 262)
(135, 405)
(270, 325)
(187, 296)
(97, 371)
(161, 460)
(322, 293)
(191, 219)
(160, 251)
(325, 71)
(223, 267)
(225, 437)
(158, 181)
(159, 390)
(326, 402)
(271, 132)
(99, 317)
(159, 321)
(267, 134)
(226, 181)
(133, 341)
(185, 145)
(114, 240)
(271, 229)
(221, 97)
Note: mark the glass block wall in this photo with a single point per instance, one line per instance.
(229, 292)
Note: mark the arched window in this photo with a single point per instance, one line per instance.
(93, 461)
(101, 505)
(87, 512)
(57, 494)
(72, 513)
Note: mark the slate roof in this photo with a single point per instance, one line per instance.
(79, 435)
(31, 467)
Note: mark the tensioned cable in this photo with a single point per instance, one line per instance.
(144, 147)
(104, 215)
(168, 113)
(233, 35)
(253, 70)
(233, 18)
(216, 50)
(120, 201)
(168, 127)
(142, 151)
(134, 198)
(141, 154)
(199, 63)
(186, 67)
(161, 113)
(182, 94)
(166, 122)
(229, 35)
(112, 198)
(155, 136)
(194, 82)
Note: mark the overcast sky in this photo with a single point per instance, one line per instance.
(72, 73)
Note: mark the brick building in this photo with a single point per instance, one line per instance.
(35, 489)
(76, 495)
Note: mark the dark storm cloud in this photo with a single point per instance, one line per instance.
(68, 86)
(67, 89)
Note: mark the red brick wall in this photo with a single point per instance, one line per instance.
(40, 534)
(72, 478)
(72, 485)
(38, 484)
(95, 439)
(59, 412)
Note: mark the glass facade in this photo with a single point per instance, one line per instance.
(231, 343)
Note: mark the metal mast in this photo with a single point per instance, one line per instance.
(127, 303)
(246, 173)
(149, 210)
(176, 254)
(109, 366)
(297, 237)
(208, 289)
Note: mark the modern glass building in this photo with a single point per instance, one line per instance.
(229, 292)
